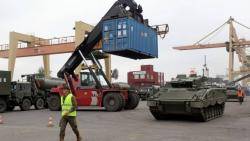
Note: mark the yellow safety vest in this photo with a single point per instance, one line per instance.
(67, 105)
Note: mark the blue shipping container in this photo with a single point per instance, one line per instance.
(129, 38)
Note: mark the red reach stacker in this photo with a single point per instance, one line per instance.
(87, 87)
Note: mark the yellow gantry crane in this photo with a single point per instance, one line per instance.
(23, 45)
(234, 45)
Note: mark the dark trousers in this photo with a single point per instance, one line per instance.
(241, 99)
(72, 122)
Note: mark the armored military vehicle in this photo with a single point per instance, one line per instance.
(232, 93)
(188, 96)
(232, 88)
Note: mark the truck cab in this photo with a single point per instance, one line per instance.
(20, 90)
(5, 85)
(87, 91)
(86, 80)
(5, 89)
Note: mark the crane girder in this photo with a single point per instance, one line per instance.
(215, 45)
(200, 46)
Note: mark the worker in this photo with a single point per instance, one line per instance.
(69, 106)
(240, 95)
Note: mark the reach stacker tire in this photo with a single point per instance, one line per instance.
(113, 102)
(133, 101)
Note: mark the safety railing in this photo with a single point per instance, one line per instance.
(42, 42)
(4, 47)
(61, 40)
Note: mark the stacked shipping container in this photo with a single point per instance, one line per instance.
(145, 77)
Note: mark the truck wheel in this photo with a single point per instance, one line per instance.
(123, 102)
(26, 104)
(54, 103)
(39, 104)
(133, 101)
(113, 102)
(3, 105)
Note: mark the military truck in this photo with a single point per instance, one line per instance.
(17, 93)
(188, 96)
(43, 87)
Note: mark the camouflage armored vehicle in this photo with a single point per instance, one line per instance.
(232, 88)
(232, 93)
(188, 96)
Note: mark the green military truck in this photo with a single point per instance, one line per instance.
(18, 94)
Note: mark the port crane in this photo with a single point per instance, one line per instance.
(234, 45)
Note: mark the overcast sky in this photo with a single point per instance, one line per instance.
(189, 21)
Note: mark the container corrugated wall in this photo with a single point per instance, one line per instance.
(129, 38)
(146, 76)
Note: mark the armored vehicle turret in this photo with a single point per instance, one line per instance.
(188, 96)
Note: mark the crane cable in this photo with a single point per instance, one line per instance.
(217, 29)
(213, 36)
(241, 24)
(211, 33)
